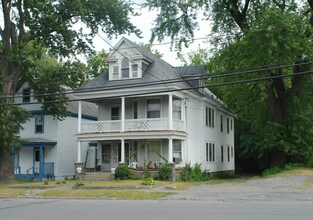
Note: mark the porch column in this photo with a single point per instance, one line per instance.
(170, 150)
(78, 152)
(41, 164)
(123, 114)
(170, 112)
(79, 116)
(122, 151)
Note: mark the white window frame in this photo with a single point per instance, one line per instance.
(176, 110)
(176, 152)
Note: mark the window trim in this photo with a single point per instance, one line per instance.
(180, 110)
(181, 148)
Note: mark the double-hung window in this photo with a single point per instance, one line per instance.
(39, 124)
(222, 123)
(125, 67)
(177, 150)
(115, 113)
(26, 95)
(209, 117)
(210, 152)
(154, 108)
(134, 70)
(177, 109)
(115, 72)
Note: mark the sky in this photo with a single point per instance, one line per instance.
(145, 23)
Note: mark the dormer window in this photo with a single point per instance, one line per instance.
(125, 68)
(115, 72)
(26, 95)
(135, 70)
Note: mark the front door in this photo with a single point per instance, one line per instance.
(36, 160)
(106, 157)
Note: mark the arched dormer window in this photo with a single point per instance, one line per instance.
(125, 68)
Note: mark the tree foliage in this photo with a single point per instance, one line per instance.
(274, 117)
(65, 28)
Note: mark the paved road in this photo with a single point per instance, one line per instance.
(18, 208)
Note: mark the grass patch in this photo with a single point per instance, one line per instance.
(182, 185)
(12, 192)
(308, 184)
(116, 194)
(114, 183)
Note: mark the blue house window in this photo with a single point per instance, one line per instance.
(39, 124)
(26, 95)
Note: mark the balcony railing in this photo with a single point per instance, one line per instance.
(146, 124)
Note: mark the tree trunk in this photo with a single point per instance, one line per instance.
(10, 75)
(6, 163)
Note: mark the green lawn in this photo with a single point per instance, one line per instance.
(116, 194)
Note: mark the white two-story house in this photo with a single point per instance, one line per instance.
(49, 146)
(151, 111)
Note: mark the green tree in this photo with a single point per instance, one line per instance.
(274, 116)
(53, 25)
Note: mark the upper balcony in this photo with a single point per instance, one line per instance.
(151, 113)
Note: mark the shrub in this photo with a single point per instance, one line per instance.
(66, 178)
(64, 182)
(46, 182)
(185, 174)
(132, 176)
(292, 166)
(58, 182)
(195, 173)
(122, 172)
(271, 171)
(148, 182)
(164, 172)
(79, 183)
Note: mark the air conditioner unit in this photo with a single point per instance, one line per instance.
(177, 160)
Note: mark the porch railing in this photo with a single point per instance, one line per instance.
(145, 124)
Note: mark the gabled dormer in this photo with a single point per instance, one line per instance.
(127, 61)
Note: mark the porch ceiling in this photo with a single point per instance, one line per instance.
(31, 142)
(134, 135)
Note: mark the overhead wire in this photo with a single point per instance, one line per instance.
(169, 81)
(171, 90)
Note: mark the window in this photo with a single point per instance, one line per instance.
(221, 123)
(227, 125)
(154, 108)
(222, 153)
(177, 109)
(135, 70)
(177, 150)
(115, 72)
(232, 152)
(231, 124)
(211, 152)
(135, 109)
(26, 95)
(125, 68)
(209, 117)
(206, 152)
(228, 153)
(115, 113)
(39, 123)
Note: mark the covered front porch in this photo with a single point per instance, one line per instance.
(30, 161)
(134, 152)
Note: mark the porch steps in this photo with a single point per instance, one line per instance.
(97, 176)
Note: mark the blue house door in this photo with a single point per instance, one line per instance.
(37, 162)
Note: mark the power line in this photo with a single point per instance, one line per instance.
(171, 90)
(169, 81)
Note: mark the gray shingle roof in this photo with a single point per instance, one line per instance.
(157, 71)
(191, 70)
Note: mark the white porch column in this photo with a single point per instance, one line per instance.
(79, 116)
(122, 151)
(170, 150)
(170, 112)
(78, 152)
(123, 114)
